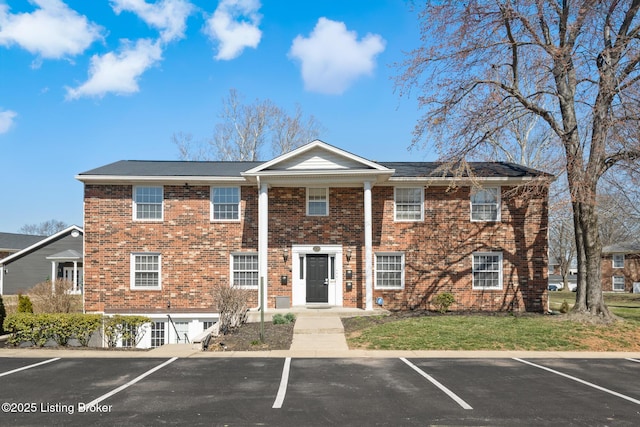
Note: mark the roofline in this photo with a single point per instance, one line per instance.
(259, 170)
(498, 180)
(40, 243)
(105, 179)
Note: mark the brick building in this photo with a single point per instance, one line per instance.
(621, 268)
(317, 225)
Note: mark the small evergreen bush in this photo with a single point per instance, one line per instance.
(3, 314)
(279, 319)
(24, 304)
(564, 308)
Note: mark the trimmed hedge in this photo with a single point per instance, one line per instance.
(40, 328)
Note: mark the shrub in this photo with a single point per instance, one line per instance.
(443, 301)
(24, 304)
(233, 306)
(564, 308)
(3, 314)
(279, 319)
(54, 300)
(40, 328)
(127, 329)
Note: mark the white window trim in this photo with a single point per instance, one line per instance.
(395, 204)
(613, 284)
(375, 271)
(498, 203)
(613, 260)
(132, 282)
(135, 204)
(326, 195)
(500, 272)
(234, 254)
(211, 204)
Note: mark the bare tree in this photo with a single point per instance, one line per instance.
(47, 228)
(248, 132)
(562, 242)
(583, 56)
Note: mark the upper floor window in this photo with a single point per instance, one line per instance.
(225, 203)
(485, 204)
(147, 203)
(317, 201)
(487, 270)
(409, 204)
(145, 271)
(244, 270)
(389, 271)
(618, 260)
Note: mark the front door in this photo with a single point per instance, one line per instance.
(317, 278)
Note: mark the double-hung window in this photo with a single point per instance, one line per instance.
(225, 203)
(487, 270)
(618, 283)
(147, 203)
(157, 334)
(409, 204)
(244, 270)
(317, 201)
(389, 271)
(618, 260)
(485, 204)
(146, 271)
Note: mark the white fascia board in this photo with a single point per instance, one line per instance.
(120, 179)
(461, 181)
(329, 177)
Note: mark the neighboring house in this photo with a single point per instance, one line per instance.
(10, 243)
(555, 280)
(58, 256)
(621, 268)
(317, 225)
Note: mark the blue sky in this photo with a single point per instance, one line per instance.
(86, 83)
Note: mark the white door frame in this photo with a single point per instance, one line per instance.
(298, 273)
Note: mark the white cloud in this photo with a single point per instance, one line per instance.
(118, 73)
(53, 31)
(234, 25)
(6, 120)
(332, 58)
(169, 16)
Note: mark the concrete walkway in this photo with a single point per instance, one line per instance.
(318, 332)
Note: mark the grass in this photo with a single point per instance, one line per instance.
(501, 332)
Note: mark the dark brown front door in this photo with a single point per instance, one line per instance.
(317, 278)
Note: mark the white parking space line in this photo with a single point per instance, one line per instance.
(282, 391)
(632, 360)
(597, 387)
(130, 383)
(29, 367)
(435, 382)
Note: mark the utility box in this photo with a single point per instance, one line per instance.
(283, 302)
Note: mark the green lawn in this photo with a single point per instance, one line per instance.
(500, 332)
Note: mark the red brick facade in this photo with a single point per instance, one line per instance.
(196, 251)
(630, 272)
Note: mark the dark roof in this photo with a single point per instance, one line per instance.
(234, 169)
(623, 247)
(481, 169)
(172, 168)
(13, 241)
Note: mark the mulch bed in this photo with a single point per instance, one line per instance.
(247, 338)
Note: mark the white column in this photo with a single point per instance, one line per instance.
(75, 276)
(368, 247)
(53, 276)
(263, 240)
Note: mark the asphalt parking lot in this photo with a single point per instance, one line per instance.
(305, 391)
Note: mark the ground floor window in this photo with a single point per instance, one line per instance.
(157, 334)
(618, 283)
(487, 270)
(389, 271)
(244, 270)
